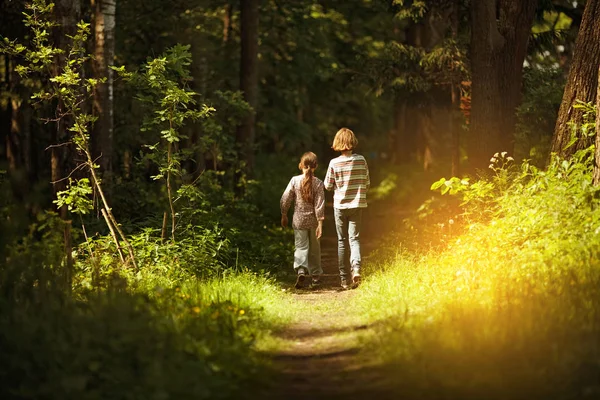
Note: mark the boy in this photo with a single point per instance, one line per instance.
(348, 174)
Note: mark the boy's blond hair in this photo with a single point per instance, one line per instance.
(344, 140)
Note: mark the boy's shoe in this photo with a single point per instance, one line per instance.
(356, 278)
(300, 279)
(343, 283)
(316, 280)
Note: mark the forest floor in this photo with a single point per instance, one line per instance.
(321, 355)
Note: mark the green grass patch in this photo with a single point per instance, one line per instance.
(511, 308)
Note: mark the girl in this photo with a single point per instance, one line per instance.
(309, 212)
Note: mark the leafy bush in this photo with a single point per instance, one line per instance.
(126, 333)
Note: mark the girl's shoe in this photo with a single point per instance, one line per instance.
(300, 279)
(316, 280)
(343, 283)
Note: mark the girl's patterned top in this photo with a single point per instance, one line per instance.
(306, 214)
(349, 176)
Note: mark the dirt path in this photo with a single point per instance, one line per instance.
(322, 357)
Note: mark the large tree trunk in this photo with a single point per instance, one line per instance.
(248, 79)
(582, 82)
(597, 141)
(104, 32)
(498, 49)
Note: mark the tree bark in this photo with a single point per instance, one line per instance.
(597, 140)
(582, 82)
(104, 33)
(248, 80)
(499, 35)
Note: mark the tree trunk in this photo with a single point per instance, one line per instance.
(455, 128)
(597, 140)
(399, 140)
(104, 33)
(498, 49)
(582, 82)
(13, 145)
(248, 79)
(227, 26)
(455, 125)
(67, 14)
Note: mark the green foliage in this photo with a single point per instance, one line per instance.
(511, 305)
(121, 346)
(77, 197)
(161, 86)
(440, 218)
(411, 9)
(588, 128)
(128, 335)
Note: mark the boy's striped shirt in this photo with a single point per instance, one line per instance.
(349, 176)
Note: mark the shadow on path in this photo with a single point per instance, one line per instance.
(323, 356)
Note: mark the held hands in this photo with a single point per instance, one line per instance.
(284, 221)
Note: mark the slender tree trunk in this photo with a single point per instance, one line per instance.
(67, 14)
(230, 46)
(104, 33)
(400, 139)
(170, 190)
(13, 145)
(407, 128)
(27, 139)
(582, 82)
(199, 72)
(248, 79)
(455, 128)
(597, 140)
(5, 115)
(499, 35)
(227, 26)
(455, 125)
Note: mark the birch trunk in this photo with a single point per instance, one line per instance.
(104, 51)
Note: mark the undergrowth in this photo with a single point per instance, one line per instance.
(510, 307)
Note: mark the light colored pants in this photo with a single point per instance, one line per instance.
(347, 225)
(307, 254)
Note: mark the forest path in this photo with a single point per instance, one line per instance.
(321, 355)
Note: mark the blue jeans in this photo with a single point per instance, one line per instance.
(307, 253)
(347, 225)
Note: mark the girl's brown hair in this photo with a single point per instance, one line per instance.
(344, 140)
(308, 160)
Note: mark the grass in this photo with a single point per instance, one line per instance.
(510, 309)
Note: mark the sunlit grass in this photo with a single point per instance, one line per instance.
(511, 309)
